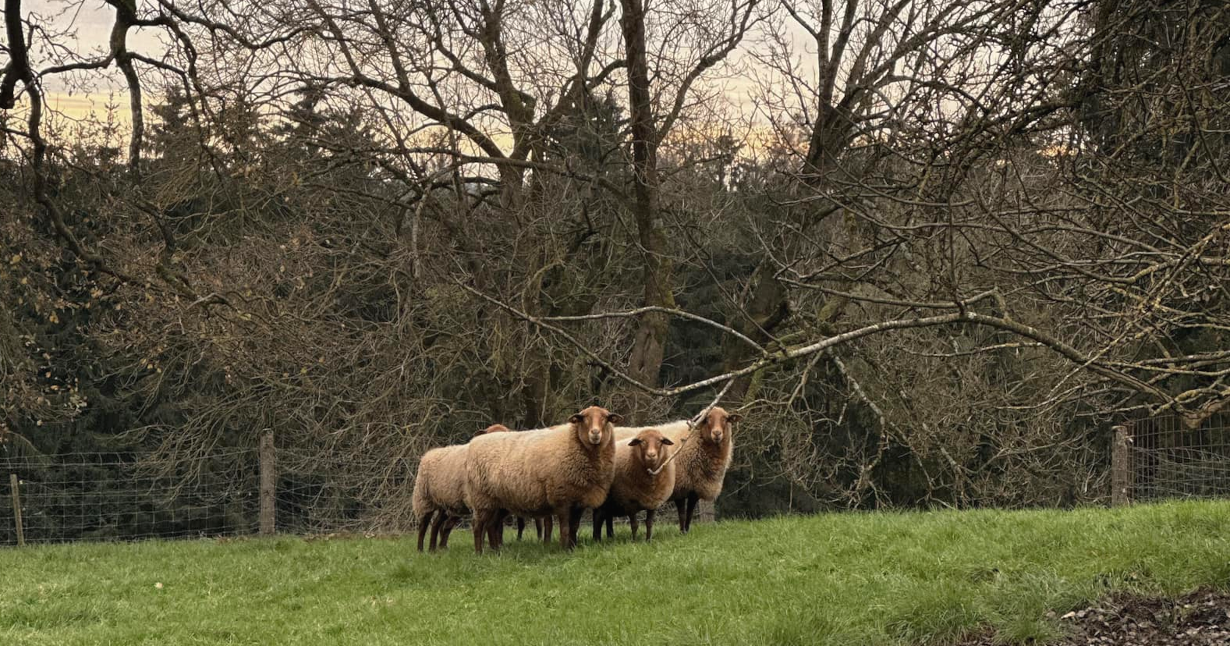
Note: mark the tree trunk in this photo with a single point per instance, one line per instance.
(765, 311)
(768, 307)
(648, 347)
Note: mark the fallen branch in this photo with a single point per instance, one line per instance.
(788, 354)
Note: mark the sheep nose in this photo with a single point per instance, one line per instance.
(652, 455)
(717, 436)
(595, 437)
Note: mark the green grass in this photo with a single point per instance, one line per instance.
(899, 578)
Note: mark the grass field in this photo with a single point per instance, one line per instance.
(901, 578)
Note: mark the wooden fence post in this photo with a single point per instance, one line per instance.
(705, 511)
(268, 484)
(21, 532)
(1121, 468)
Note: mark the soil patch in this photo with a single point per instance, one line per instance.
(1201, 618)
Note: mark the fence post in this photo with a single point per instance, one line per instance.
(268, 483)
(705, 511)
(21, 532)
(1120, 469)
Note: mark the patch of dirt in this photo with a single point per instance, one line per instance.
(1201, 618)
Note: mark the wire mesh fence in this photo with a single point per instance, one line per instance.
(123, 497)
(1166, 458)
(219, 493)
(324, 493)
(118, 496)
(102, 496)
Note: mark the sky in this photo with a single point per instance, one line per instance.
(87, 25)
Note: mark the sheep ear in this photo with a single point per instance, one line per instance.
(667, 441)
(734, 418)
(576, 419)
(614, 418)
(634, 441)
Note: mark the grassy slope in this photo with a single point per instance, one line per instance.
(832, 579)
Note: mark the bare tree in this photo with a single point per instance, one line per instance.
(957, 240)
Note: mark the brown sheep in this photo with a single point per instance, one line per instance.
(439, 490)
(636, 486)
(538, 527)
(625, 433)
(435, 489)
(561, 470)
(703, 459)
(452, 520)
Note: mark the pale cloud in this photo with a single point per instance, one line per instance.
(103, 96)
(83, 106)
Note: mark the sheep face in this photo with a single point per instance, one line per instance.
(595, 425)
(717, 425)
(650, 446)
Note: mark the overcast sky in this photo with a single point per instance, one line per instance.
(90, 21)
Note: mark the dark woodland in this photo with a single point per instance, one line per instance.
(931, 251)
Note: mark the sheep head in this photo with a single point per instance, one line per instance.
(494, 428)
(717, 425)
(595, 425)
(650, 446)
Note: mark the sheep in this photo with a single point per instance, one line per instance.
(625, 433)
(672, 429)
(445, 528)
(702, 461)
(563, 470)
(637, 487)
(538, 522)
(538, 527)
(435, 488)
(439, 490)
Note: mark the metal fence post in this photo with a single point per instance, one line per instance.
(1121, 468)
(268, 484)
(21, 532)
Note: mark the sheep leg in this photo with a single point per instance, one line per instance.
(681, 506)
(489, 530)
(691, 510)
(538, 527)
(575, 522)
(610, 526)
(495, 529)
(633, 523)
(565, 516)
(548, 522)
(648, 524)
(598, 525)
(447, 530)
(423, 523)
(481, 519)
(436, 524)
(520, 527)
